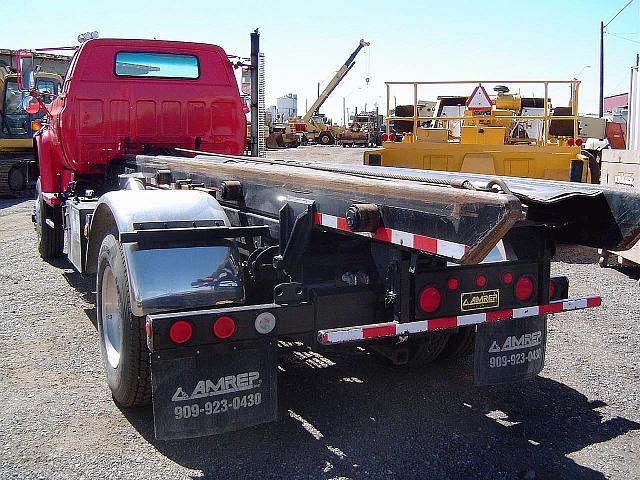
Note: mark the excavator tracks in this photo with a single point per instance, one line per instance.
(13, 179)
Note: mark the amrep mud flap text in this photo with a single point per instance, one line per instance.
(509, 351)
(213, 389)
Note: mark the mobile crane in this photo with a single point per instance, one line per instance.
(313, 126)
(204, 259)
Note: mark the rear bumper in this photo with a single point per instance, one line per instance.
(301, 319)
(391, 329)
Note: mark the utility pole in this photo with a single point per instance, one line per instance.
(602, 27)
(344, 111)
(601, 102)
(255, 48)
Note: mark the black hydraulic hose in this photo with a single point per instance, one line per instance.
(500, 183)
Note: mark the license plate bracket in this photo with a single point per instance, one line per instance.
(509, 351)
(213, 389)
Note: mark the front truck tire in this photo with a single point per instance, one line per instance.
(50, 239)
(122, 334)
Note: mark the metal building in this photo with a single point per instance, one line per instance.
(286, 106)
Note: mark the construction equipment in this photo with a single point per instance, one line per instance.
(364, 130)
(621, 169)
(314, 126)
(502, 134)
(356, 134)
(278, 137)
(203, 263)
(17, 164)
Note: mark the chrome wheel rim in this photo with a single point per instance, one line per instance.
(111, 324)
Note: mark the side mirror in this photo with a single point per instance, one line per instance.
(27, 81)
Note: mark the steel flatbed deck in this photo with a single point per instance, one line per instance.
(471, 210)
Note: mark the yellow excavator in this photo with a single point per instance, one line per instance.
(17, 165)
(499, 134)
(313, 126)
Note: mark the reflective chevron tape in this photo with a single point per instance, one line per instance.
(397, 237)
(366, 332)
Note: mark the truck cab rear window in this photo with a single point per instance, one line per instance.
(157, 65)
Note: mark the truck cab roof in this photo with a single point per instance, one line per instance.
(124, 96)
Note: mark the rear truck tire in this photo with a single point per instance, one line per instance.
(325, 138)
(427, 349)
(459, 344)
(123, 340)
(50, 239)
(413, 351)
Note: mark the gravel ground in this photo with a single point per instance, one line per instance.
(325, 154)
(341, 416)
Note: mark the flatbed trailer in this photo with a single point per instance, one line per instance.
(357, 254)
(205, 261)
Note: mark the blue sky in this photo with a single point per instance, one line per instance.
(305, 43)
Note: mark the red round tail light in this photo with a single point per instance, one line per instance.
(384, 137)
(507, 278)
(570, 142)
(224, 327)
(429, 299)
(481, 281)
(579, 142)
(180, 332)
(392, 137)
(453, 283)
(524, 288)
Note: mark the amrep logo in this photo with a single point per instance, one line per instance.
(227, 384)
(477, 300)
(624, 179)
(513, 342)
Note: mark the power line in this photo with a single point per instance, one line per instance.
(619, 12)
(623, 38)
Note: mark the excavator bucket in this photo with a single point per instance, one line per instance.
(279, 140)
(275, 141)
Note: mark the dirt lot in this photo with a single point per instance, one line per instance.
(343, 416)
(328, 154)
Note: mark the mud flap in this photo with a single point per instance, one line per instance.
(213, 389)
(509, 351)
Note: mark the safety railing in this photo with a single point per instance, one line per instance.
(545, 118)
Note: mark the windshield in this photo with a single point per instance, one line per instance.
(15, 121)
(49, 86)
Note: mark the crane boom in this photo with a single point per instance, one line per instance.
(337, 78)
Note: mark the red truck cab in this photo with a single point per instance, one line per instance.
(125, 97)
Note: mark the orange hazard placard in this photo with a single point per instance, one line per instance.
(479, 100)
